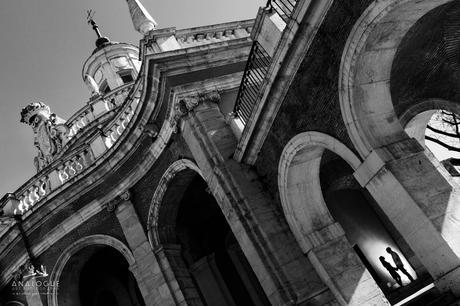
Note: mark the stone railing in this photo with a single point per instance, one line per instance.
(70, 166)
(41, 185)
(252, 82)
(119, 124)
(284, 8)
(205, 35)
(96, 108)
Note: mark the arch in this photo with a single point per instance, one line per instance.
(299, 165)
(78, 245)
(364, 79)
(157, 199)
(311, 221)
(427, 105)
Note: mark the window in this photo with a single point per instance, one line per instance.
(104, 88)
(126, 76)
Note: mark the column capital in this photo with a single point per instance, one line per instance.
(113, 204)
(185, 104)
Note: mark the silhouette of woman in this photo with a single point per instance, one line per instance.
(391, 270)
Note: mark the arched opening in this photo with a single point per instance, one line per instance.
(340, 227)
(369, 232)
(204, 255)
(93, 271)
(368, 70)
(398, 54)
(105, 280)
(435, 124)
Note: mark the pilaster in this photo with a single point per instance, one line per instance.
(150, 279)
(262, 233)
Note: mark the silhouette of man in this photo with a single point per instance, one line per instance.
(391, 270)
(398, 263)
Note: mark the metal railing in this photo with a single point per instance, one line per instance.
(284, 8)
(256, 69)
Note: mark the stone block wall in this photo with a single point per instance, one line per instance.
(142, 192)
(312, 103)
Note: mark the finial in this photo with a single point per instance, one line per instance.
(142, 21)
(91, 21)
(101, 40)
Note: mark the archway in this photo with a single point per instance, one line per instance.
(325, 207)
(95, 271)
(366, 67)
(416, 121)
(399, 54)
(187, 226)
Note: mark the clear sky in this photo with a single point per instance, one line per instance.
(43, 45)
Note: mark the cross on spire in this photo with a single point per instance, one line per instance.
(101, 41)
(91, 21)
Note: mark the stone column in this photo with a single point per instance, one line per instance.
(240, 263)
(178, 275)
(211, 283)
(150, 279)
(284, 273)
(398, 185)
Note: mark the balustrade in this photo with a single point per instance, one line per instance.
(75, 165)
(115, 131)
(32, 194)
(59, 173)
(97, 108)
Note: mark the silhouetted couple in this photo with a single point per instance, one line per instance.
(393, 270)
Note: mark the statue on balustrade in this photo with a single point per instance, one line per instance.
(50, 132)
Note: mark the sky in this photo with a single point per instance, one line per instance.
(43, 45)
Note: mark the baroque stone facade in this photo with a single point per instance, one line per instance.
(268, 161)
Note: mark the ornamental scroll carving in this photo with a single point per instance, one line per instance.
(112, 204)
(50, 132)
(187, 103)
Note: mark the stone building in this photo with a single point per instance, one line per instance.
(267, 161)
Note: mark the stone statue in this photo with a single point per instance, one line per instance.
(50, 132)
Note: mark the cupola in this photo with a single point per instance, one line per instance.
(111, 64)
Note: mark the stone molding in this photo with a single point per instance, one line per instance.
(77, 246)
(157, 199)
(314, 143)
(198, 36)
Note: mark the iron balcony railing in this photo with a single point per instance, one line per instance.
(256, 69)
(284, 8)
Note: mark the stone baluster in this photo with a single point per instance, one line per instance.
(63, 176)
(69, 169)
(78, 163)
(44, 186)
(23, 205)
(113, 134)
(33, 195)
